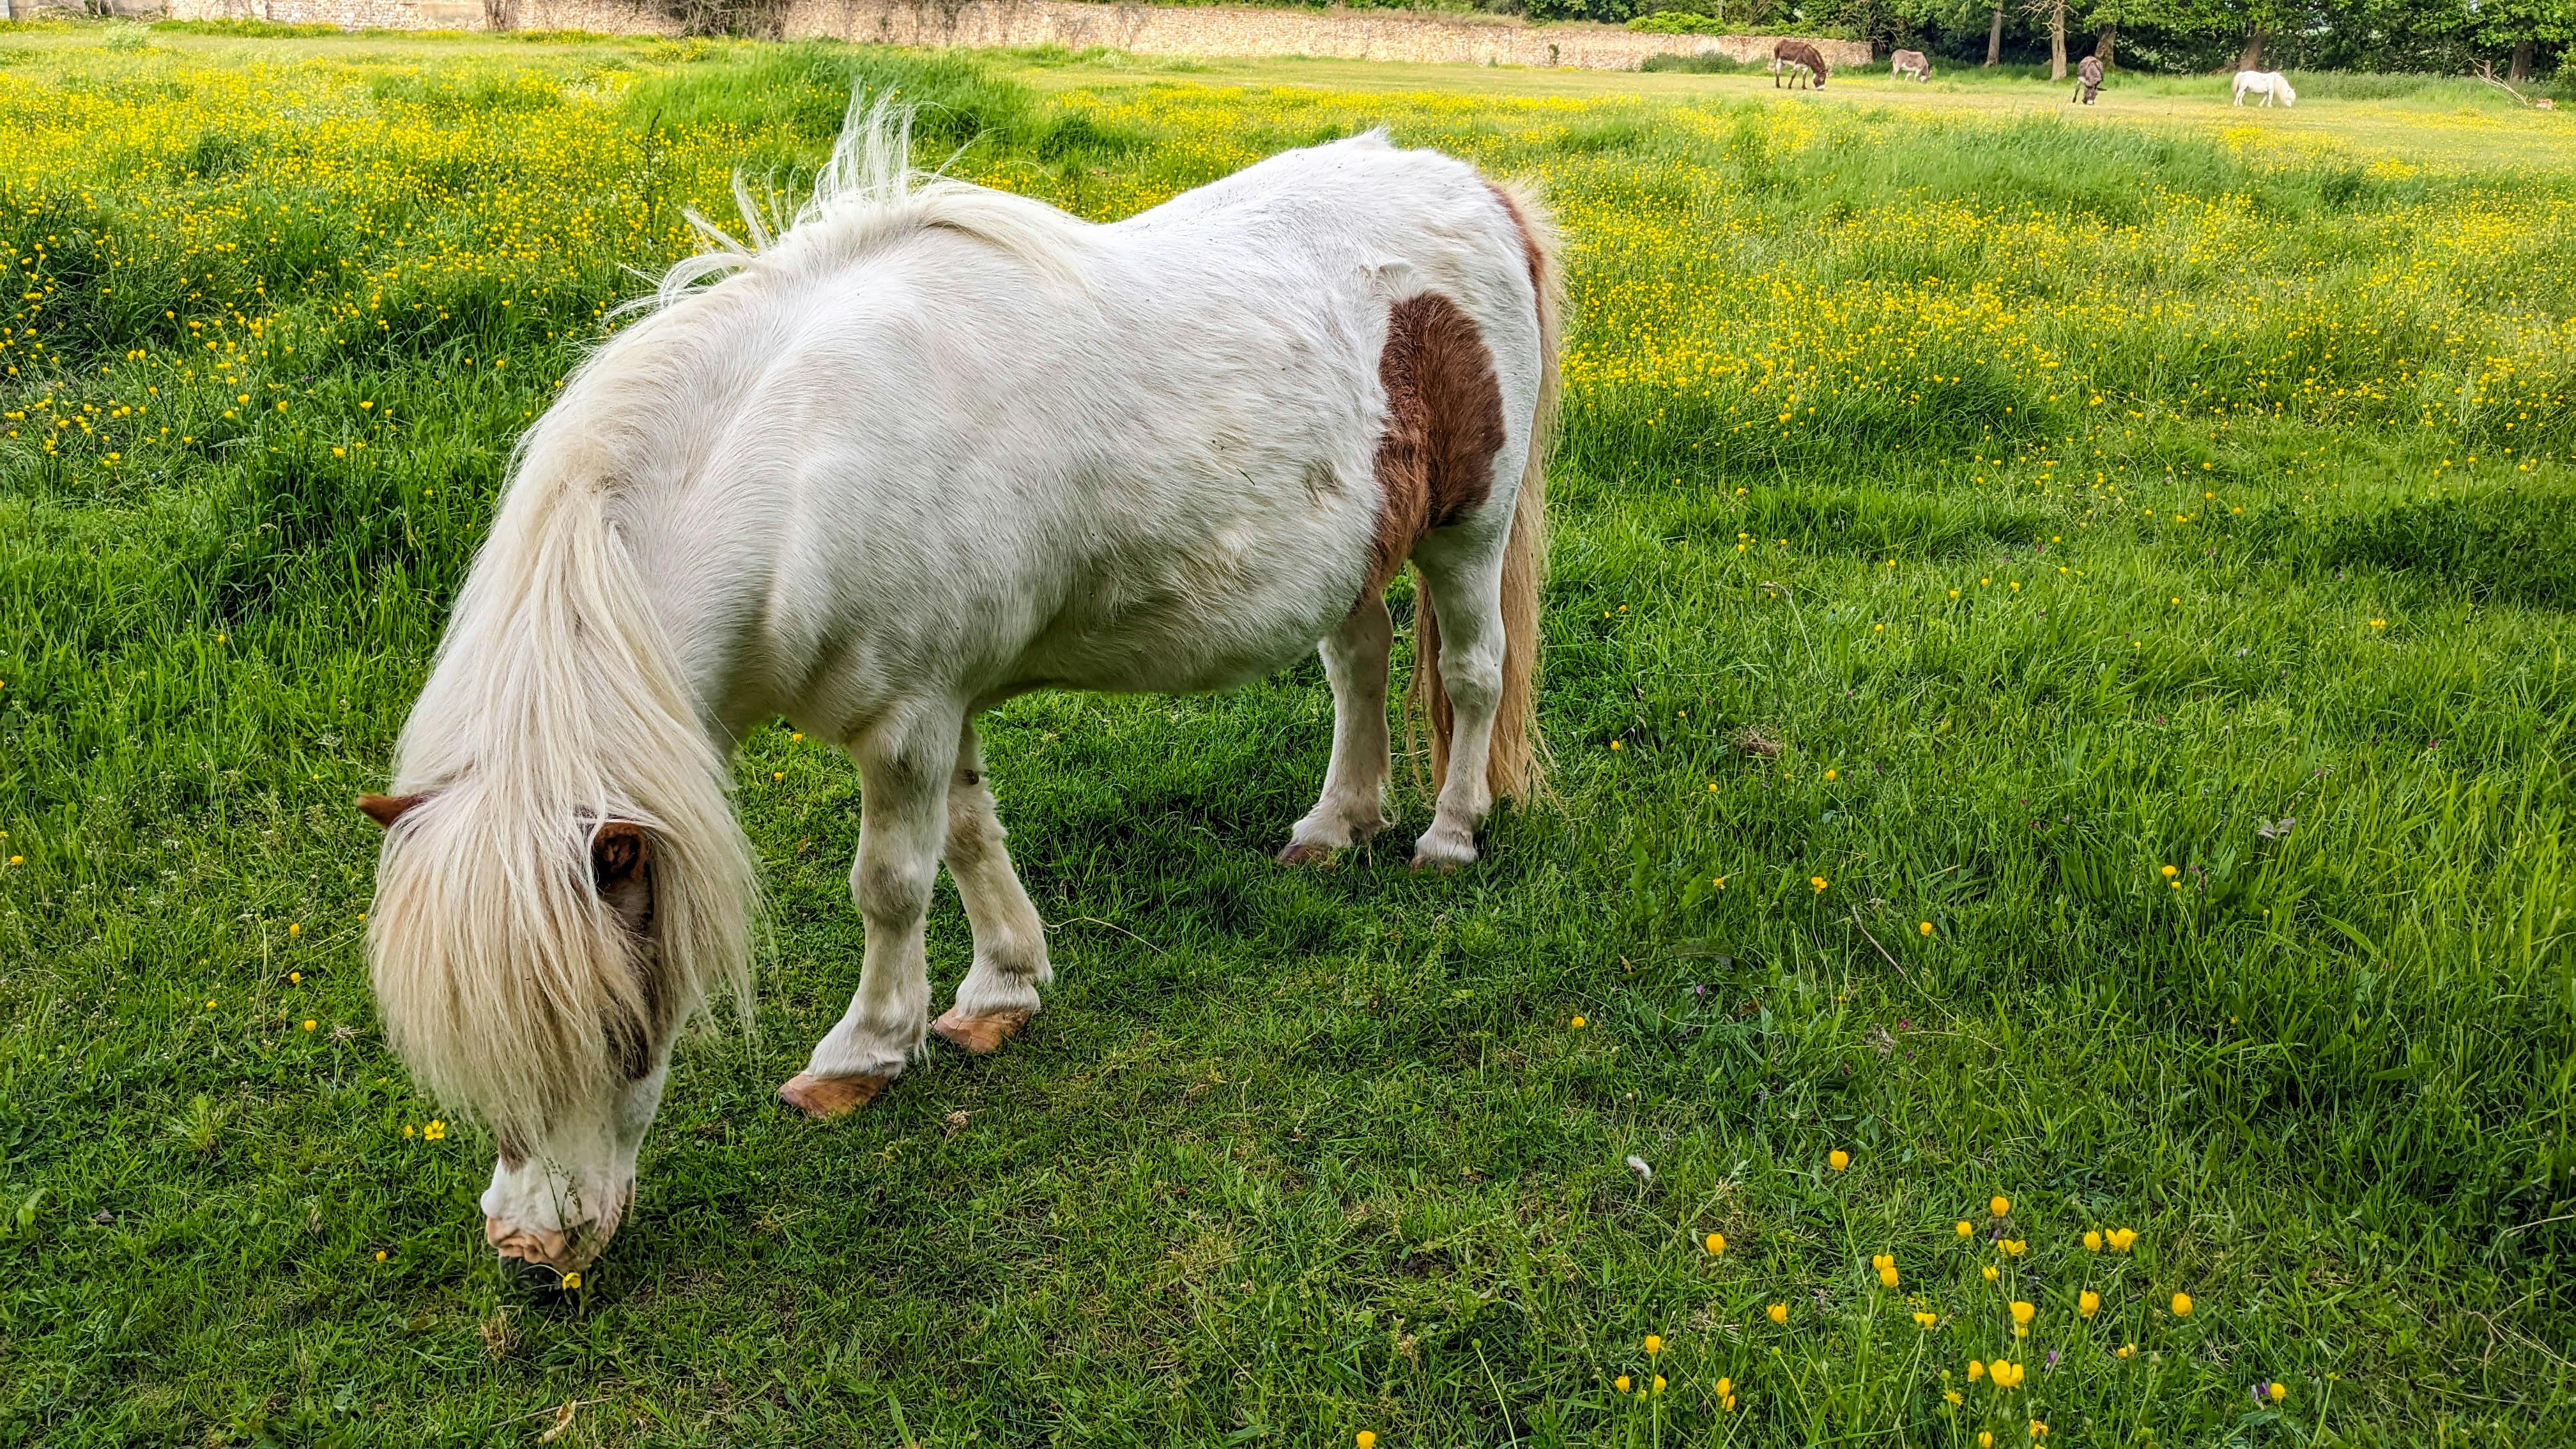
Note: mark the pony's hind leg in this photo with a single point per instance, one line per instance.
(1000, 992)
(1467, 592)
(904, 767)
(1353, 805)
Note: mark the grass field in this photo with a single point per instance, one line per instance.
(2060, 688)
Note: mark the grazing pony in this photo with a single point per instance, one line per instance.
(930, 447)
(1910, 63)
(1795, 59)
(2267, 84)
(2088, 79)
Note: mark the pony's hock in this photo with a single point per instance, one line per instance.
(1173, 453)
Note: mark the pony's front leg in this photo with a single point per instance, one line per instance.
(1353, 805)
(904, 766)
(1000, 993)
(1468, 596)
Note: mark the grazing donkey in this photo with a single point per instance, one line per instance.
(2088, 79)
(1910, 63)
(931, 447)
(2267, 84)
(1794, 59)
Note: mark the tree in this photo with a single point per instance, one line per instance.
(2521, 27)
(2106, 17)
(2252, 22)
(2055, 10)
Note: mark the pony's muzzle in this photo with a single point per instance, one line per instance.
(540, 1257)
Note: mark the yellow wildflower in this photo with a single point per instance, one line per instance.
(1779, 1312)
(1838, 1159)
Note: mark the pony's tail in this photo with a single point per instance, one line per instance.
(1516, 768)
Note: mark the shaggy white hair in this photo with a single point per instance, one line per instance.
(556, 705)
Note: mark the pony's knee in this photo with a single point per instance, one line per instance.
(1474, 683)
(891, 893)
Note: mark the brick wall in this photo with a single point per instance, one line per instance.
(1140, 29)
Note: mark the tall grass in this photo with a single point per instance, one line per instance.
(2057, 660)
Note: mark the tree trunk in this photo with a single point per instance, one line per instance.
(2102, 43)
(1995, 35)
(2057, 41)
(2251, 57)
(2521, 70)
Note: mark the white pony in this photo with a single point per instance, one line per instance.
(2267, 84)
(931, 447)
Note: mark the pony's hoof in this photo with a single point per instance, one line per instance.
(822, 1098)
(1433, 852)
(981, 1035)
(1300, 853)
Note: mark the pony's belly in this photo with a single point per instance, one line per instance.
(1209, 624)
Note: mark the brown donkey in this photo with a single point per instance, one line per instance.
(1793, 58)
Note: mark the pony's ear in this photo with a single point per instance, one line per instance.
(621, 870)
(619, 851)
(386, 809)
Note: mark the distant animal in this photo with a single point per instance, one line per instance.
(1910, 63)
(932, 447)
(2088, 79)
(1793, 58)
(2267, 84)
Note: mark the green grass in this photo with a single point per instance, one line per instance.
(1294, 1154)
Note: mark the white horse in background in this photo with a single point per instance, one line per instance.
(2267, 84)
(931, 447)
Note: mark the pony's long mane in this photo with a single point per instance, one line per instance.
(867, 194)
(557, 702)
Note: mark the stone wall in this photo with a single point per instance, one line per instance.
(1210, 30)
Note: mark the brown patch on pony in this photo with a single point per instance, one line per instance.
(1444, 424)
(386, 809)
